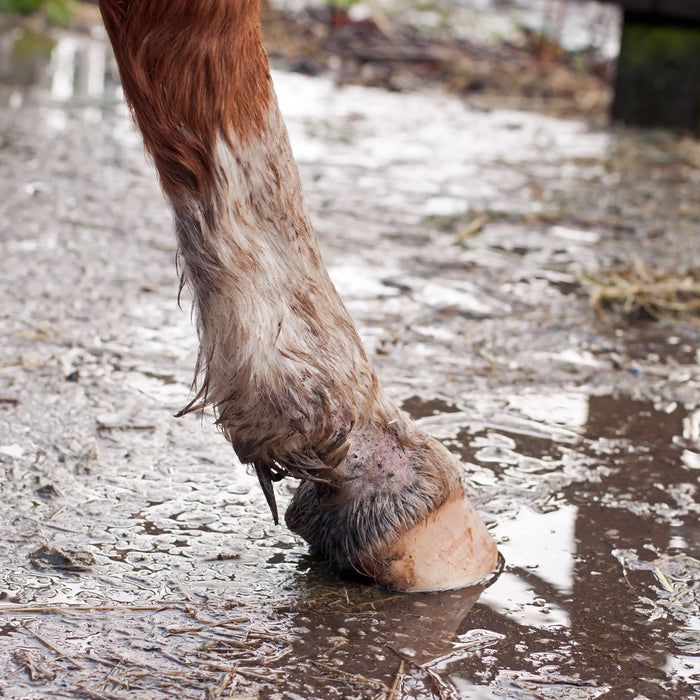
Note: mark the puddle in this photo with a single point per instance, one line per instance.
(580, 437)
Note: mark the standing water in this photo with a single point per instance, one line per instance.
(138, 559)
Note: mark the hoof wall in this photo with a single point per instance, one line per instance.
(449, 549)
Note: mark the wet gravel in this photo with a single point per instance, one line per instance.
(137, 559)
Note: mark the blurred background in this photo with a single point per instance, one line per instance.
(557, 56)
(552, 55)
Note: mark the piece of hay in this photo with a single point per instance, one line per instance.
(639, 289)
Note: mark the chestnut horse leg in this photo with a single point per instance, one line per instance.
(280, 360)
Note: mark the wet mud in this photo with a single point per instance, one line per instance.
(138, 559)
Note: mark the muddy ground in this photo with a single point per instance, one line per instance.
(138, 559)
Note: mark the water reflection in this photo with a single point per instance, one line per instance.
(25, 54)
(600, 572)
(55, 68)
(598, 595)
(421, 630)
(78, 69)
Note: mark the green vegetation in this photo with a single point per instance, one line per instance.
(658, 75)
(57, 11)
(340, 4)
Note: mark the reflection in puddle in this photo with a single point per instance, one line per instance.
(551, 559)
(78, 69)
(582, 445)
(569, 409)
(64, 66)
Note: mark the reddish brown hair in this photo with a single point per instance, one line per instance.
(191, 70)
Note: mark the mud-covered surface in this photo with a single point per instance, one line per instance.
(138, 560)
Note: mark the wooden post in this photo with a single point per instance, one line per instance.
(658, 72)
